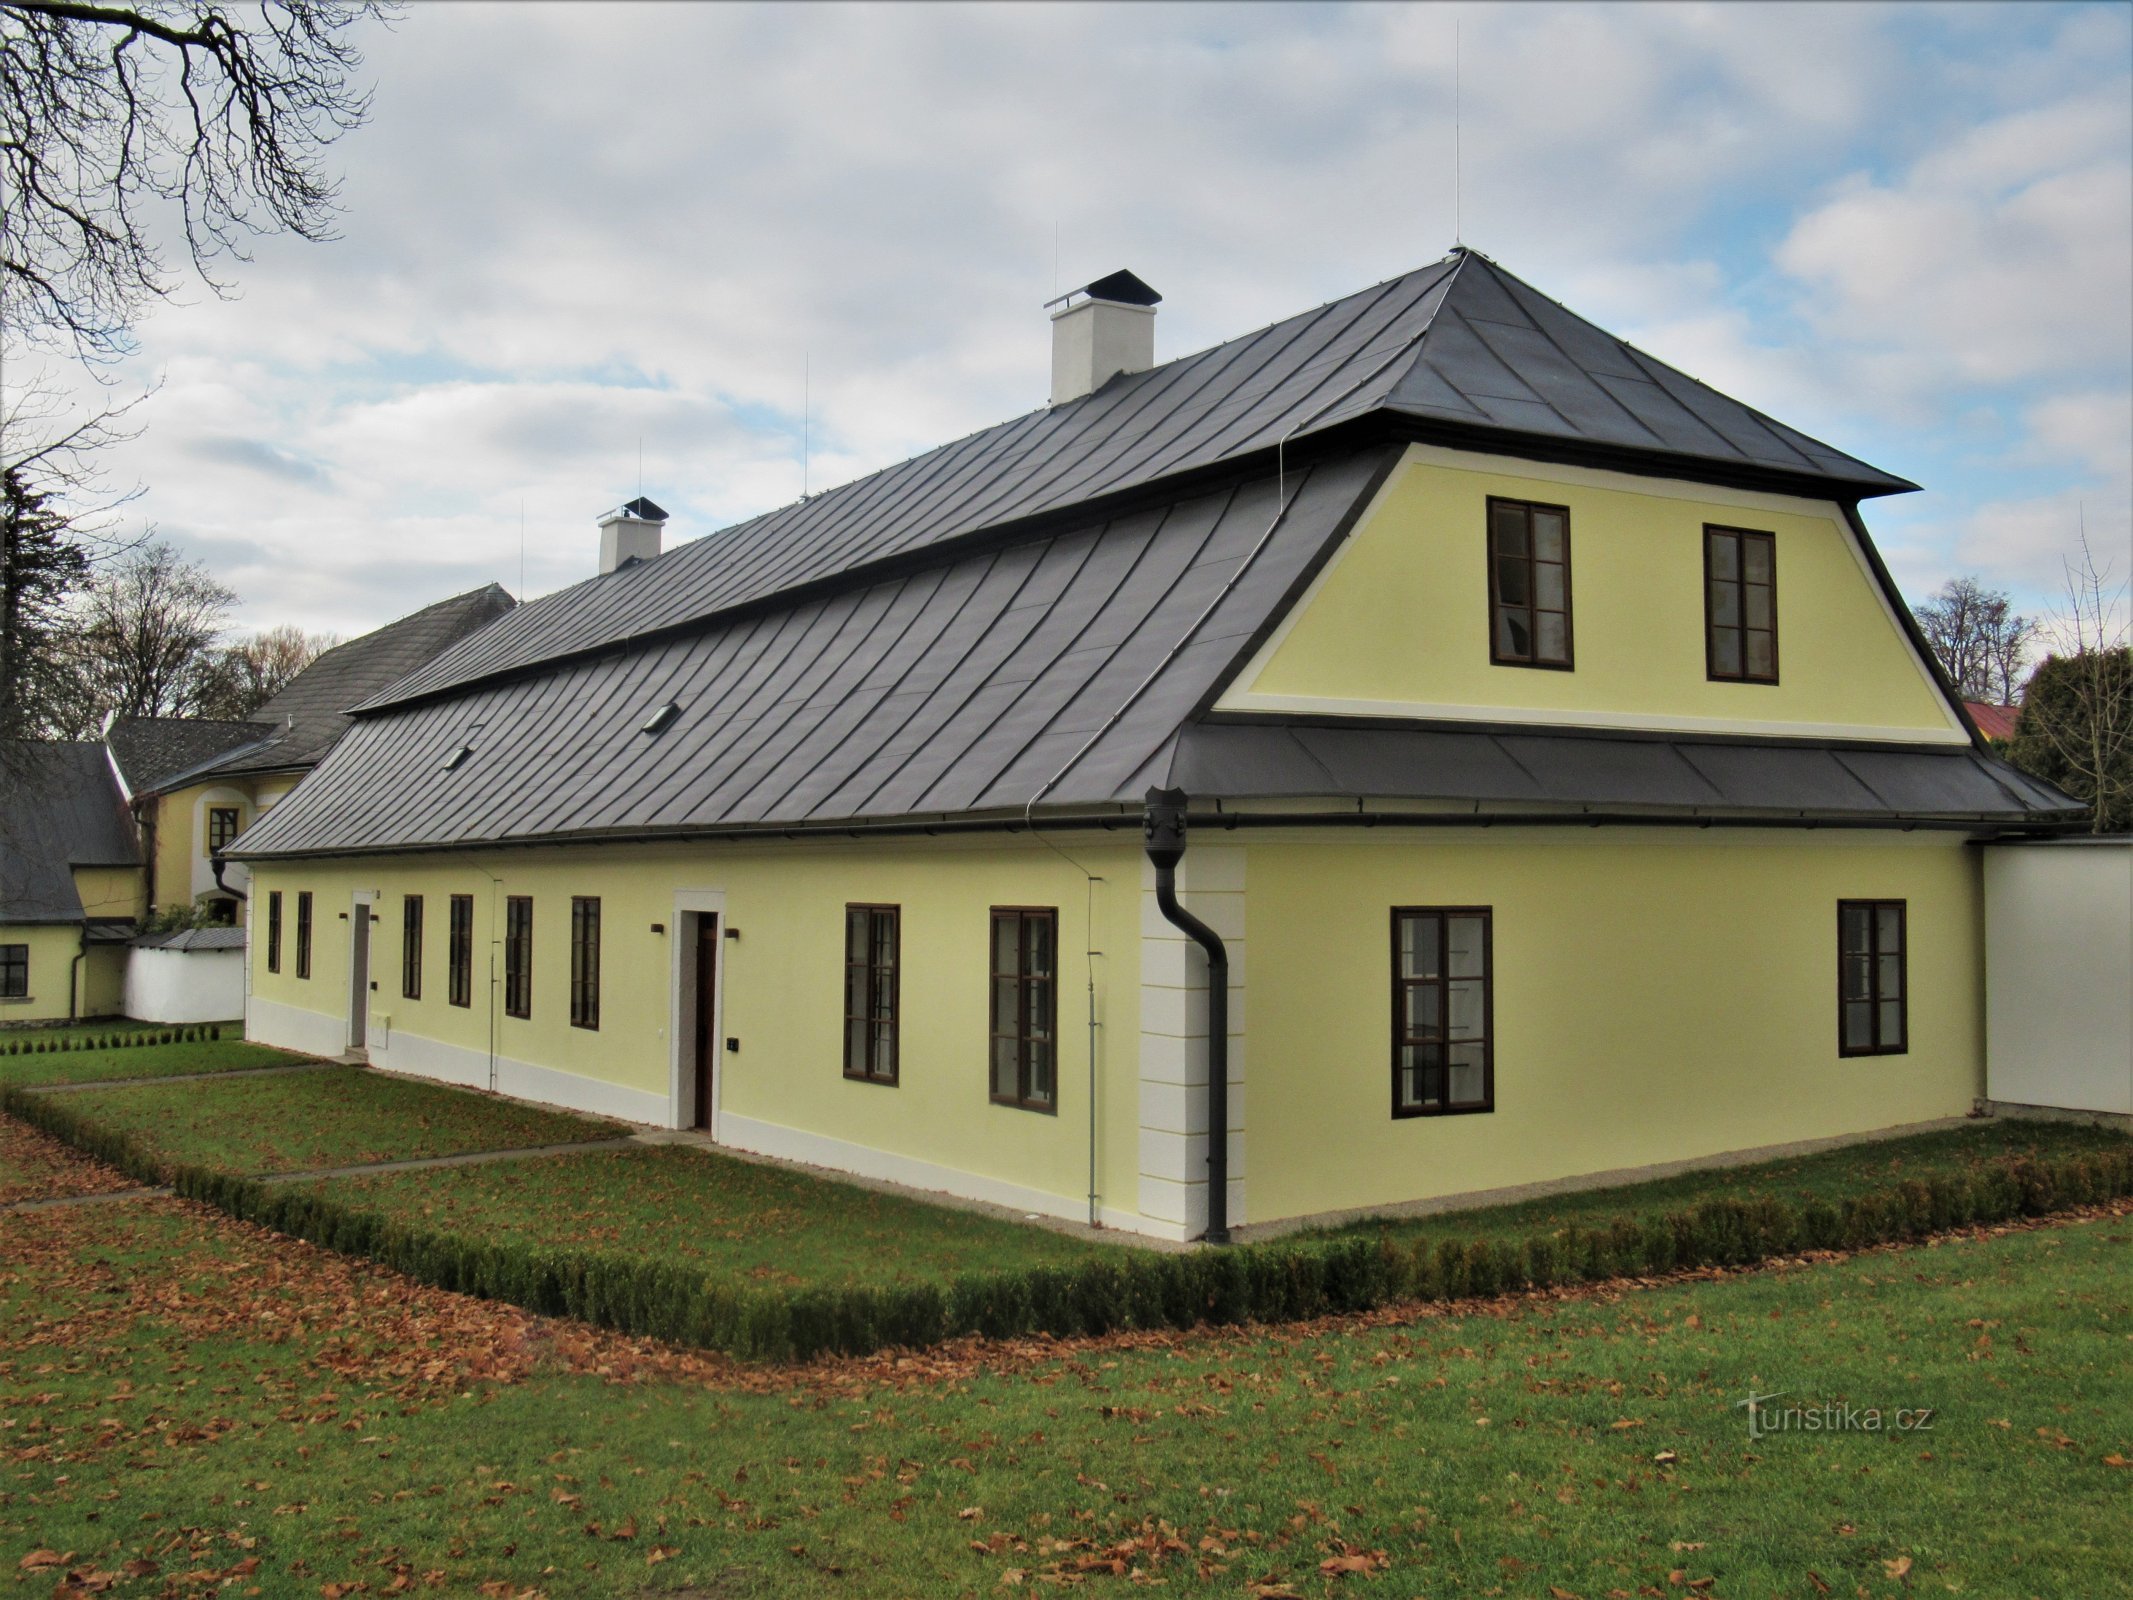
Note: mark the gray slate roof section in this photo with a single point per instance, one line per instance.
(150, 750)
(1503, 770)
(1459, 344)
(60, 808)
(1058, 668)
(311, 712)
(191, 939)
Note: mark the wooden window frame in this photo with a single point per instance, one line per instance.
(303, 933)
(1400, 985)
(1532, 607)
(880, 978)
(585, 961)
(273, 930)
(1873, 910)
(518, 956)
(1740, 536)
(236, 816)
(411, 947)
(1025, 917)
(459, 951)
(14, 972)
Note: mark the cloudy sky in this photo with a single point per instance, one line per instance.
(577, 232)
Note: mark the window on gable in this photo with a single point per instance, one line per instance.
(518, 955)
(14, 972)
(411, 947)
(221, 828)
(1873, 1014)
(1529, 584)
(1443, 1011)
(460, 955)
(1740, 605)
(1025, 944)
(872, 935)
(584, 961)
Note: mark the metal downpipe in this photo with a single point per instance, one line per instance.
(1163, 836)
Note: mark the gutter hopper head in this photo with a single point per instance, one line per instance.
(1163, 827)
(1098, 331)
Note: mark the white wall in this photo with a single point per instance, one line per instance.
(185, 985)
(2059, 973)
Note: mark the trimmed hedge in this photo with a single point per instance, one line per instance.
(1278, 1281)
(30, 1044)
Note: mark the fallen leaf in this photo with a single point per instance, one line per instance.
(2115, 1460)
(661, 1552)
(1666, 1458)
(970, 1513)
(43, 1558)
(1821, 1584)
(1898, 1567)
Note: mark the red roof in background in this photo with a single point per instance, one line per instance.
(1994, 722)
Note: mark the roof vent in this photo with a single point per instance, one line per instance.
(1100, 330)
(630, 533)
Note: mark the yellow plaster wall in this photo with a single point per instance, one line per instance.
(53, 947)
(112, 891)
(1659, 996)
(1399, 623)
(181, 834)
(783, 984)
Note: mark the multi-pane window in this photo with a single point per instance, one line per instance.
(221, 828)
(1870, 978)
(303, 933)
(1442, 1007)
(460, 954)
(1740, 605)
(518, 955)
(411, 947)
(584, 961)
(871, 935)
(14, 972)
(274, 930)
(1529, 584)
(1025, 959)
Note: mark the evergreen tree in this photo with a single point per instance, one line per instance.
(41, 565)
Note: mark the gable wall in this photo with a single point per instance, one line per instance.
(1398, 622)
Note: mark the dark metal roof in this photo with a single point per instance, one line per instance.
(1053, 669)
(1497, 768)
(60, 808)
(217, 938)
(310, 713)
(151, 750)
(1459, 350)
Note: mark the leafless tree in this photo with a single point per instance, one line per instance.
(146, 635)
(2077, 715)
(109, 113)
(244, 676)
(1982, 641)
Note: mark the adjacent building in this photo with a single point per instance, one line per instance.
(70, 883)
(1567, 790)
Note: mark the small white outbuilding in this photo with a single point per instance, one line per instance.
(196, 975)
(2059, 973)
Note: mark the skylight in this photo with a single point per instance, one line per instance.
(658, 722)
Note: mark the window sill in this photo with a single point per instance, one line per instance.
(1406, 1113)
(1024, 1105)
(867, 1077)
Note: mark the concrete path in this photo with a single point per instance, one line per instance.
(154, 1192)
(469, 1158)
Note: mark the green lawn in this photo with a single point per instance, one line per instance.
(763, 1224)
(209, 1398)
(340, 1116)
(1828, 1175)
(143, 1061)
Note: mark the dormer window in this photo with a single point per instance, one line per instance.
(1740, 605)
(1529, 584)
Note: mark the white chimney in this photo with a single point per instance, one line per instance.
(630, 533)
(1099, 331)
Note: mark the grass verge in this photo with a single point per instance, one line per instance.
(35, 1166)
(340, 1116)
(192, 1397)
(81, 1065)
(687, 1206)
(663, 1296)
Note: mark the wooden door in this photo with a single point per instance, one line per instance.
(706, 1015)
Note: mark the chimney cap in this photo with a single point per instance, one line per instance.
(1120, 287)
(642, 509)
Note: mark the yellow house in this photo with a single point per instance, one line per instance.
(70, 883)
(1530, 732)
(196, 783)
